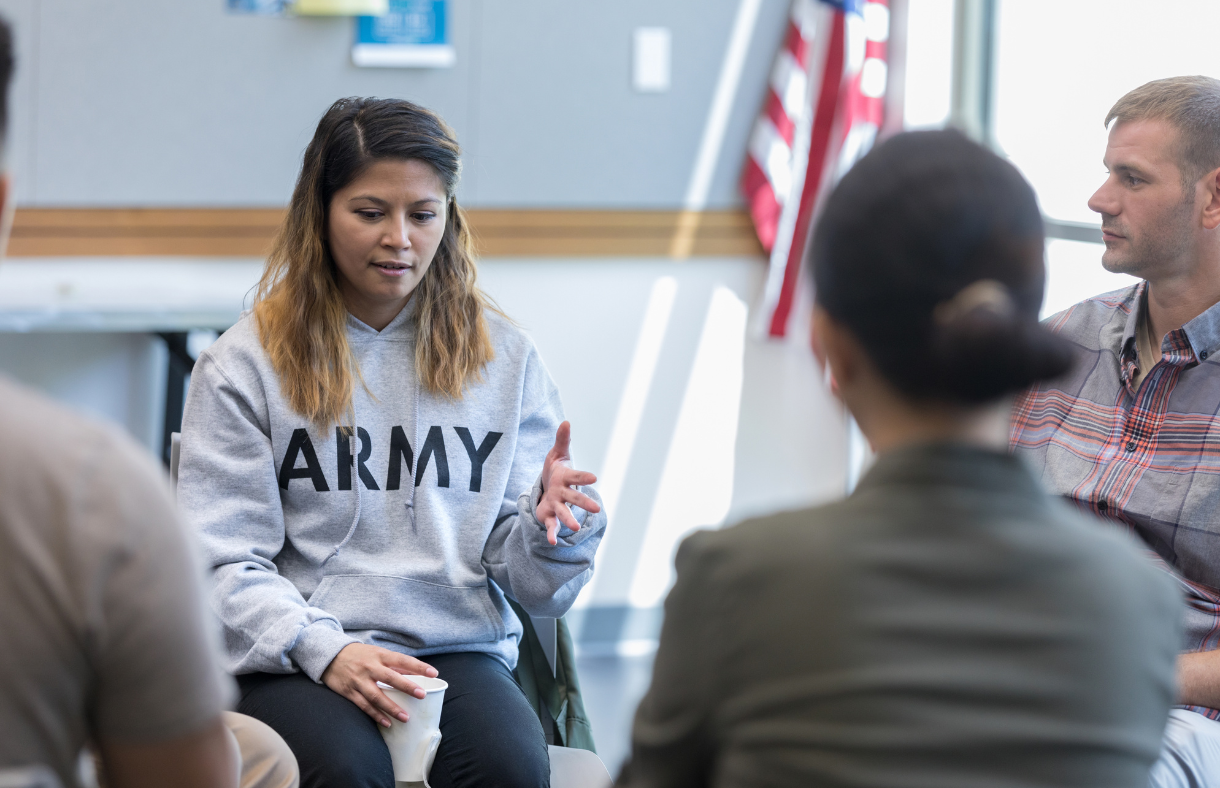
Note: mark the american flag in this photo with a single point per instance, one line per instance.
(824, 107)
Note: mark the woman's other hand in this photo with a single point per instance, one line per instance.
(559, 480)
(356, 669)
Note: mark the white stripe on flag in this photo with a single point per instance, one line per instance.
(856, 44)
(876, 22)
(790, 83)
(773, 156)
(873, 77)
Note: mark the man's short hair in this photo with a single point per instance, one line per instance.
(1189, 104)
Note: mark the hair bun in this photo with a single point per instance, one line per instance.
(984, 347)
(983, 295)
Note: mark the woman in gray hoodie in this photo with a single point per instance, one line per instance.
(374, 457)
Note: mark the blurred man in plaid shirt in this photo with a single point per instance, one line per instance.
(1132, 433)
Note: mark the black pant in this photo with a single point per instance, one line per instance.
(490, 735)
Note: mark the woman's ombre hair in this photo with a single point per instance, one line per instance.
(299, 310)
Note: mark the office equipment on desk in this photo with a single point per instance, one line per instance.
(167, 296)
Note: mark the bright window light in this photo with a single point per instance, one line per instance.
(635, 391)
(1074, 273)
(929, 64)
(696, 485)
(1061, 66)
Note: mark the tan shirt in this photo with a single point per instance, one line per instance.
(1146, 354)
(102, 625)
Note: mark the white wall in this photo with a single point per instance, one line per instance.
(690, 422)
(724, 427)
(777, 439)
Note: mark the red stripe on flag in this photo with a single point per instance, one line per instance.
(876, 49)
(872, 110)
(796, 44)
(779, 118)
(764, 208)
(828, 99)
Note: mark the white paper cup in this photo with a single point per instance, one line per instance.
(413, 743)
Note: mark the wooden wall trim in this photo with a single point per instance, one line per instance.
(248, 232)
(41, 232)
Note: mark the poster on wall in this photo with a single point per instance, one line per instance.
(308, 7)
(261, 7)
(339, 7)
(413, 34)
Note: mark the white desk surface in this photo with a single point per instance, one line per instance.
(116, 294)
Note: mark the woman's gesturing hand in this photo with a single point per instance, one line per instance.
(559, 480)
(356, 669)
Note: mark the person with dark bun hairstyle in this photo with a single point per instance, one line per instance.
(949, 623)
(1132, 433)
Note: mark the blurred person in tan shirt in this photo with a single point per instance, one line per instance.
(103, 629)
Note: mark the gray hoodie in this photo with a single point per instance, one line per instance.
(408, 537)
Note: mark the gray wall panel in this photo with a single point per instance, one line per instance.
(559, 123)
(144, 102)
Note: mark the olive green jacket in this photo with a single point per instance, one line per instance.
(555, 696)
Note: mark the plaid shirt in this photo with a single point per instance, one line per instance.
(1149, 457)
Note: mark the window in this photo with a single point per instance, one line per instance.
(1059, 68)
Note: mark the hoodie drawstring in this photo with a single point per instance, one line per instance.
(352, 451)
(414, 437)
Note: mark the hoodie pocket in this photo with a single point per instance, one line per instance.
(422, 615)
